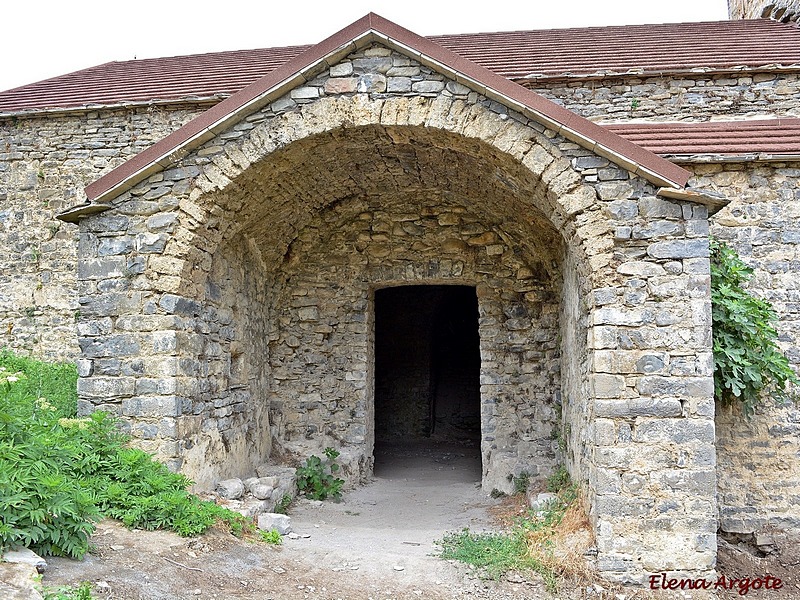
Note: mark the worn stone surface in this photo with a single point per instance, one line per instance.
(269, 521)
(230, 489)
(49, 163)
(756, 458)
(685, 97)
(18, 581)
(781, 10)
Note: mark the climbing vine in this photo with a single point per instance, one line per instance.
(748, 365)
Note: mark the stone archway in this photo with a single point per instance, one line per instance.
(241, 314)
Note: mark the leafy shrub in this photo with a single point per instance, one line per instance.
(60, 474)
(747, 361)
(43, 504)
(55, 381)
(270, 537)
(316, 479)
(82, 592)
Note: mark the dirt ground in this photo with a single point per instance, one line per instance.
(378, 543)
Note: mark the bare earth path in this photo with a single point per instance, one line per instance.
(378, 543)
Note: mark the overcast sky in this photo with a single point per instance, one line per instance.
(45, 38)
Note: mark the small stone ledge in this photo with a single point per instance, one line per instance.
(76, 213)
(714, 202)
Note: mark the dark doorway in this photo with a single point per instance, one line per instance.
(427, 368)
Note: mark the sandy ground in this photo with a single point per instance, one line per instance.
(379, 543)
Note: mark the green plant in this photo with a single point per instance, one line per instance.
(316, 479)
(747, 361)
(635, 103)
(81, 592)
(55, 381)
(527, 546)
(59, 473)
(521, 482)
(270, 537)
(558, 479)
(493, 553)
(282, 507)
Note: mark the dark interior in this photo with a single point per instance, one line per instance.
(427, 368)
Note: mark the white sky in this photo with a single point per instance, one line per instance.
(45, 38)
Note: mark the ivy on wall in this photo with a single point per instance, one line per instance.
(748, 365)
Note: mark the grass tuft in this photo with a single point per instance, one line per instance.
(551, 542)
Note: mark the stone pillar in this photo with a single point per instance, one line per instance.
(652, 458)
(129, 336)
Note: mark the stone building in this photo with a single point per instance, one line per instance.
(255, 255)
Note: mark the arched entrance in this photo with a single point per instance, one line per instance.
(242, 326)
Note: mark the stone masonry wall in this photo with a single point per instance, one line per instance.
(758, 476)
(45, 162)
(325, 311)
(682, 98)
(780, 10)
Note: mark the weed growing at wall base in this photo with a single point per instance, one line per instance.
(317, 480)
(529, 545)
(59, 474)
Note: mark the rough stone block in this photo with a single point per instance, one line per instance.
(398, 84)
(341, 85)
(608, 386)
(24, 556)
(641, 269)
(371, 82)
(304, 93)
(153, 406)
(343, 69)
(179, 305)
(679, 249)
(655, 385)
(270, 521)
(638, 407)
(656, 208)
(230, 489)
(678, 431)
(427, 87)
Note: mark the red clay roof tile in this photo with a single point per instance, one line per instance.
(522, 55)
(731, 138)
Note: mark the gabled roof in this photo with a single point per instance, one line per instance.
(757, 139)
(369, 29)
(524, 56)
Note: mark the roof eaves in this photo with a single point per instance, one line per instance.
(126, 104)
(166, 153)
(754, 157)
(534, 78)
